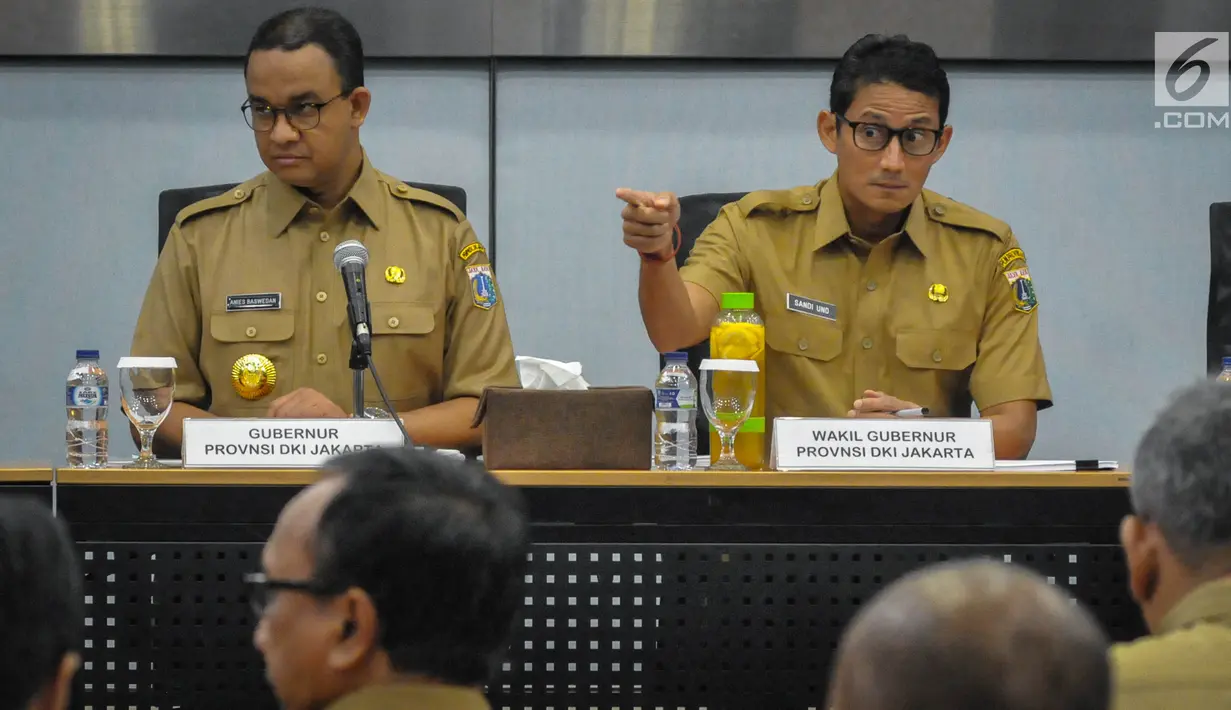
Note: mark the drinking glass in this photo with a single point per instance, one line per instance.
(148, 386)
(728, 389)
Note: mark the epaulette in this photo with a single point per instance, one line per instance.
(235, 196)
(796, 199)
(402, 191)
(956, 214)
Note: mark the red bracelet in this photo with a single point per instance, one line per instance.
(676, 241)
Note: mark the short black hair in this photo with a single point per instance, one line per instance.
(441, 547)
(42, 611)
(971, 635)
(328, 29)
(877, 59)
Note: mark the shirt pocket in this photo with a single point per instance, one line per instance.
(814, 340)
(408, 349)
(946, 349)
(236, 334)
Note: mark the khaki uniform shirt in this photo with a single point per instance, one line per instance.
(251, 272)
(412, 696)
(942, 311)
(1187, 664)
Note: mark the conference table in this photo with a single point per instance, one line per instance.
(645, 588)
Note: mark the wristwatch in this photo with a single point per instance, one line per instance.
(376, 413)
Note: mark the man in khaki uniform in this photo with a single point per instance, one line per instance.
(878, 296)
(393, 582)
(246, 296)
(971, 635)
(1178, 547)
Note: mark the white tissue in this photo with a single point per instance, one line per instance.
(538, 373)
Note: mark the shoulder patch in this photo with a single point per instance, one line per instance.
(798, 199)
(1012, 265)
(956, 214)
(403, 191)
(470, 250)
(235, 196)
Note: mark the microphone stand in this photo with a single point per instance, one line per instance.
(358, 364)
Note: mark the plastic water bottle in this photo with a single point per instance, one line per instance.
(675, 416)
(86, 403)
(1225, 375)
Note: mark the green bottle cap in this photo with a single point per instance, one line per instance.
(742, 301)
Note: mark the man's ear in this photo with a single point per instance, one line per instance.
(360, 103)
(58, 693)
(1140, 541)
(358, 632)
(827, 129)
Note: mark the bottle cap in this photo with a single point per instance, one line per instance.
(1226, 362)
(676, 356)
(87, 354)
(741, 301)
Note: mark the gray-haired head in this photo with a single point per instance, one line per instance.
(1182, 473)
(972, 635)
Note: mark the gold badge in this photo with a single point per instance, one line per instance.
(253, 376)
(395, 275)
(938, 293)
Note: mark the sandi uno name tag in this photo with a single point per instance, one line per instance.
(811, 307)
(254, 302)
(281, 443)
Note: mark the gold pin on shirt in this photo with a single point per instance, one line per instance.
(395, 275)
(938, 293)
(253, 376)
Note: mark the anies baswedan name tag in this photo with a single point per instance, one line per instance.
(281, 443)
(803, 444)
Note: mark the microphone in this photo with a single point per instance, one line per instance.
(351, 259)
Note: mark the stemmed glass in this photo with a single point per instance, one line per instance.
(148, 386)
(728, 389)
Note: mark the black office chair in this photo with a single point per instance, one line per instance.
(696, 213)
(170, 202)
(1218, 313)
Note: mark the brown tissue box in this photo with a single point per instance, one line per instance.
(602, 428)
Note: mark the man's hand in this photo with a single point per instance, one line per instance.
(649, 220)
(305, 403)
(878, 405)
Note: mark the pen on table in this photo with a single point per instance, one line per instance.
(912, 413)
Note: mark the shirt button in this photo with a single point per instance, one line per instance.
(871, 285)
(314, 210)
(250, 332)
(867, 343)
(238, 194)
(394, 322)
(807, 200)
(936, 356)
(324, 236)
(321, 296)
(938, 210)
(322, 358)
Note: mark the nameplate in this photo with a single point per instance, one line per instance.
(803, 444)
(281, 443)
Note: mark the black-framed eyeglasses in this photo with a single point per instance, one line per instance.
(303, 116)
(875, 136)
(260, 588)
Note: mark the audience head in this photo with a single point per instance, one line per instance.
(1179, 534)
(970, 636)
(396, 564)
(42, 612)
(306, 98)
(886, 83)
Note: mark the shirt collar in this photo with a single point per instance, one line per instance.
(286, 202)
(831, 222)
(1210, 602)
(413, 695)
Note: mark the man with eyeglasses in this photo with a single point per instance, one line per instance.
(878, 296)
(393, 582)
(246, 297)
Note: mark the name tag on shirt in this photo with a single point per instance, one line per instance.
(254, 302)
(811, 307)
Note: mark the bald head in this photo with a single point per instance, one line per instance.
(971, 636)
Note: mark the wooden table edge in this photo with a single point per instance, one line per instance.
(634, 479)
(26, 473)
